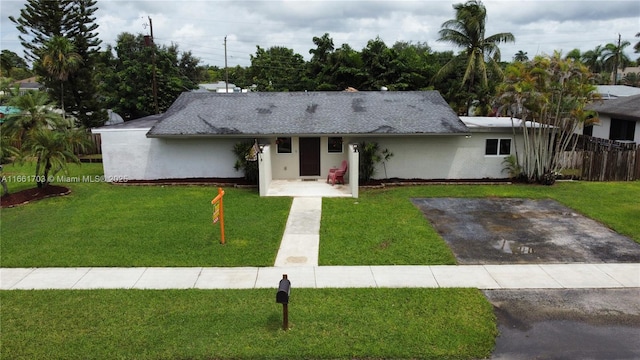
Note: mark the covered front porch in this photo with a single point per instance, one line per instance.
(307, 186)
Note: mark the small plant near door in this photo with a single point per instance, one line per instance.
(248, 167)
(370, 155)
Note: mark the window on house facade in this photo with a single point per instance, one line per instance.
(497, 147)
(284, 145)
(622, 129)
(334, 145)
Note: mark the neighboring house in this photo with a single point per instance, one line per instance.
(618, 119)
(29, 84)
(608, 92)
(304, 134)
(219, 87)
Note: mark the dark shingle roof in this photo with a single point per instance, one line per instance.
(627, 107)
(309, 113)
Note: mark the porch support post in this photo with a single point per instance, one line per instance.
(354, 169)
(264, 170)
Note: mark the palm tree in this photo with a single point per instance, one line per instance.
(34, 114)
(467, 31)
(593, 59)
(636, 47)
(36, 118)
(613, 58)
(521, 56)
(54, 148)
(60, 60)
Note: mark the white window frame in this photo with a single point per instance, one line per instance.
(497, 154)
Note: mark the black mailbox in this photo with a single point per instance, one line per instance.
(284, 290)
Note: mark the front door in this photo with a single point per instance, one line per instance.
(310, 156)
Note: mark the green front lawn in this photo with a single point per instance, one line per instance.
(101, 224)
(383, 226)
(246, 324)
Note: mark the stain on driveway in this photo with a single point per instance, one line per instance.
(513, 231)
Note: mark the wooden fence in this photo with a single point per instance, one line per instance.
(605, 160)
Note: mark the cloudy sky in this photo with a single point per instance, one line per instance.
(540, 26)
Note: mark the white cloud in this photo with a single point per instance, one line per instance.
(540, 26)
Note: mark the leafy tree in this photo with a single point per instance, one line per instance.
(377, 59)
(11, 63)
(411, 66)
(60, 59)
(278, 69)
(319, 66)
(593, 59)
(467, 31)
(42, 20)
(552, 92)
(130, 60)
(346, 69)
(574, 54)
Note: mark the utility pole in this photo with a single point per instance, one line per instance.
(226, 69)
(153, 61)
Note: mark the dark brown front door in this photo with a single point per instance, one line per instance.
(310, 156)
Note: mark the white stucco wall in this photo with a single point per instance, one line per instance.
(442, 157)
(603, 128)
(129, 154)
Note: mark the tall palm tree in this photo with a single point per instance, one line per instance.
(636, 47)
(60, 60)
(613, 57)
(467, 31)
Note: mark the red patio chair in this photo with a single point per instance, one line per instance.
(337, 174)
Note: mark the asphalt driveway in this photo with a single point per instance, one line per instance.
(544, 323)
(521, 231)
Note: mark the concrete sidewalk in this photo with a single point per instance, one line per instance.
(539, 276)
(298, 258)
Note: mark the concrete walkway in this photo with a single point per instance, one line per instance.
(301, 240)
(298, 258)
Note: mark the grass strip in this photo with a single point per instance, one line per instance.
(232, 324)
(383, 227)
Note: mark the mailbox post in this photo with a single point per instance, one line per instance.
(282, 297)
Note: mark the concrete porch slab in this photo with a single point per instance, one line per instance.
(304, 188)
